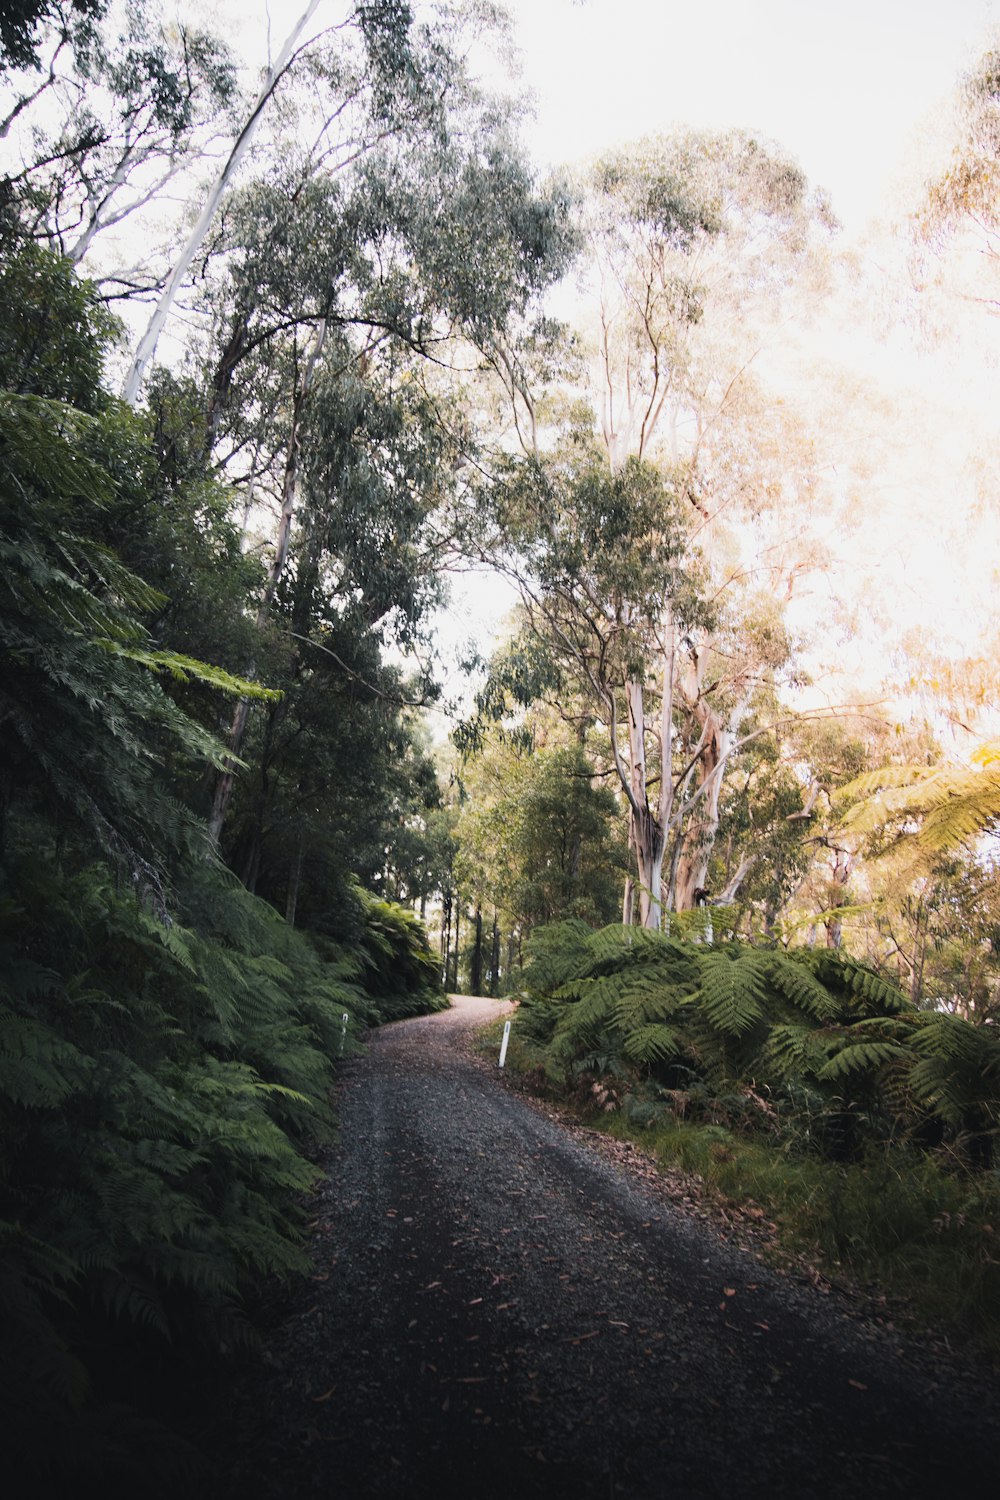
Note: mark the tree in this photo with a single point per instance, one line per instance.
(596, 557)
(147, 344)
(537, 836)
(21, 19)
(684, 231)
(965, 198)
(134, 112)
(336, 287)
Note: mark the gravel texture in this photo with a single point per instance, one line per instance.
(501, 1310)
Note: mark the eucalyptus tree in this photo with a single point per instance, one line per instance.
(597, 557)
(689, 239)
(120, 116)
(694, 234)
(22, 21)
(964, 199)
(402, 232)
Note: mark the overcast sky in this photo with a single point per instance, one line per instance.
(845, 87)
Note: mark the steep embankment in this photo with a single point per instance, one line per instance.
(498, 1310)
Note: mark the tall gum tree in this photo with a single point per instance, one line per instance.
(111, 120)
(401, 230)
(689, 239)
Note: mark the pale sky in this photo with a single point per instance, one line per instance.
(844, 87)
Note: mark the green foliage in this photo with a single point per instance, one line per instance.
(54, 330)
(924, 811)
(161, 1089)
(84, 722)
(537, 836)
(21, 19)
(399, 972)
(837, 1049)
(167, 1041)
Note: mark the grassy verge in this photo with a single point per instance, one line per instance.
(899, 1224)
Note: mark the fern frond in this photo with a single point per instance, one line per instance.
(951, 804)
(188, 669)
(652, 1043)
(799, 985)
(733, 992)
(861, 1057)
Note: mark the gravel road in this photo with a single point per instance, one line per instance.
(500, 1311)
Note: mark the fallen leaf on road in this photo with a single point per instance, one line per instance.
(325, 1396)
(858, 1386)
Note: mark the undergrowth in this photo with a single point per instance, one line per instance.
(164, 1086)
(797, 1085)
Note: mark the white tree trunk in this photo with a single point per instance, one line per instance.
(147, 344)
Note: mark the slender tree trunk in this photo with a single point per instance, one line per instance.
(646, 831)
(446, 938)
(226, 779)
(251, 864)
(147, 344)
(294, 880)
(628, 895)
(454, 956)
(289, 488)
(476, 973)
(495, 958)
(628, 899)
(699, 837)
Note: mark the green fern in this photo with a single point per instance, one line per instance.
(733, 991)
(652, 1043)
(861, 1057)
(951, 804)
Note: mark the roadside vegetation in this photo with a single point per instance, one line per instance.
(798, 1085)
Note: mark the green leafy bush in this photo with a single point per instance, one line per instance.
(161, 1086)
(807, 1041)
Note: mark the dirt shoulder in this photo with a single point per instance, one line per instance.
(503, 1305)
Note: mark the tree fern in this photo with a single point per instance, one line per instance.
(813, 1025)
(950, 805)
(860, 1057)
(957, 1072)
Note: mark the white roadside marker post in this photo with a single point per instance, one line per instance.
(343, 1032)
(503, 1044)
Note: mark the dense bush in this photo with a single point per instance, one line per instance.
(809, 1042)
(162, 1085)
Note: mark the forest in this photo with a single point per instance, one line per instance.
(286, 361)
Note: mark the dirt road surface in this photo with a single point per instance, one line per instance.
(499, 1311)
